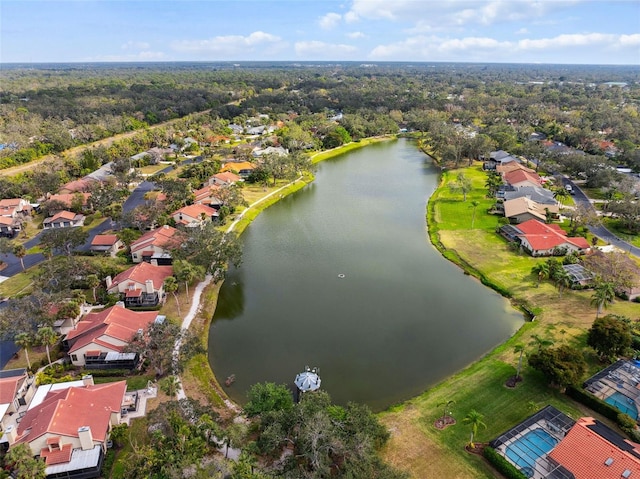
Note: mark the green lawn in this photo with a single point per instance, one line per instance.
(416, 445)
(615, 226)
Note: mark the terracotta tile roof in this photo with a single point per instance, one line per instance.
(104, 240)
(584, 452)
(518, 176)
(133, 293)
(67, 198)
(237, 166)
(57, 456)
(83, 184)
(116, 322)
(7, 221)
(195, 211)
(9, 387)
(64, 411)
(512, 166)
(140, 273)
(206, 193)
(62, 215)
(548, 236)
(10, 202)
(227, 177)
(164, 237)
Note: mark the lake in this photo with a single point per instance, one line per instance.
(341, 275)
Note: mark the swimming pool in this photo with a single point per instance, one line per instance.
(623, 404)
(524, 452)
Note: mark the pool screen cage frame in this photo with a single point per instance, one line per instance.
(557, 423)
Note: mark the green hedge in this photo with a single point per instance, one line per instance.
(593, 402)
(106, 373)
(503, 466)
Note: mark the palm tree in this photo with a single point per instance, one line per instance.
(47, 337)
(560, 194)
(171, 286)
(446, 405)
(187, 272)
(603, 295)
(542, 271)
(93, 282)
(540, 342)
(474, 205)
(20, 252)
(562, 279)
(24, 340)
(474, 419)
(519, 348)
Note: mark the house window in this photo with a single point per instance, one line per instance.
(135, 256)
(74, 357)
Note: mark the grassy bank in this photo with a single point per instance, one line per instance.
(416, 445)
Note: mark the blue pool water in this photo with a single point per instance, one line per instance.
(623, 404)
(524, 452)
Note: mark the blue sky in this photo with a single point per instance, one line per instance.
(533, 31)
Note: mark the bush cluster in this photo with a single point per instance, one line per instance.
(503, 466)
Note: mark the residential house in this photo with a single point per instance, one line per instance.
(109, 244)
(194, 216)
(63, 219)
(16, 390)
(520, 178)
(154, 246)
(98, 341)
(70, 428)
(63, 322)
(68, 199)
(140, 285)
(10, 227)
(541, 239)
(224, 179)
(82, 185)
(15, 207)
(241, 168)
(270, 150)
(534, 193)
(522, 209)
(207, 196)
(497, 158)
(512, 166)
(257, 130)
(549, 444)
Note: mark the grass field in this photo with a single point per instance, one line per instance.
(416, 445)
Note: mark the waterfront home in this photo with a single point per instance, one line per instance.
(540, 239)
(194, 216)
(100, 338)
(155, 246)
(16, 390)
(69, 427)
(522, 209)
(140, 285)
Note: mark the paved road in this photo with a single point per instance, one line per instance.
(600, 231)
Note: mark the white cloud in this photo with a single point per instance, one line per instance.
(438, 48)
(131, 45)
(356, 35)
(315, 49)
(522, 31)
(232, 45)
(329, 21)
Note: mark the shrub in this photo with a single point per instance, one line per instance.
(503, 466)
(593, 402)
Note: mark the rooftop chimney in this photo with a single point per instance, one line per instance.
(108, 281)
(87, 380)
(12, 434)
(148, 285)
(86, 438)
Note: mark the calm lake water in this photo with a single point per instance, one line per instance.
(342, 276)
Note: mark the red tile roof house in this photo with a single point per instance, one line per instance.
(518, 178)
(224, 179)
(16, 390)
(241, 168)
(561, 448)
(69, 198)
(13, 207)
(541, 239)
(109, 244)
(140, 285)
(194, 216)
(100, 338)
(82, 185)
(70, 428)
(63, 219)
(155, 246)
(207, 196)
(9, 227)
